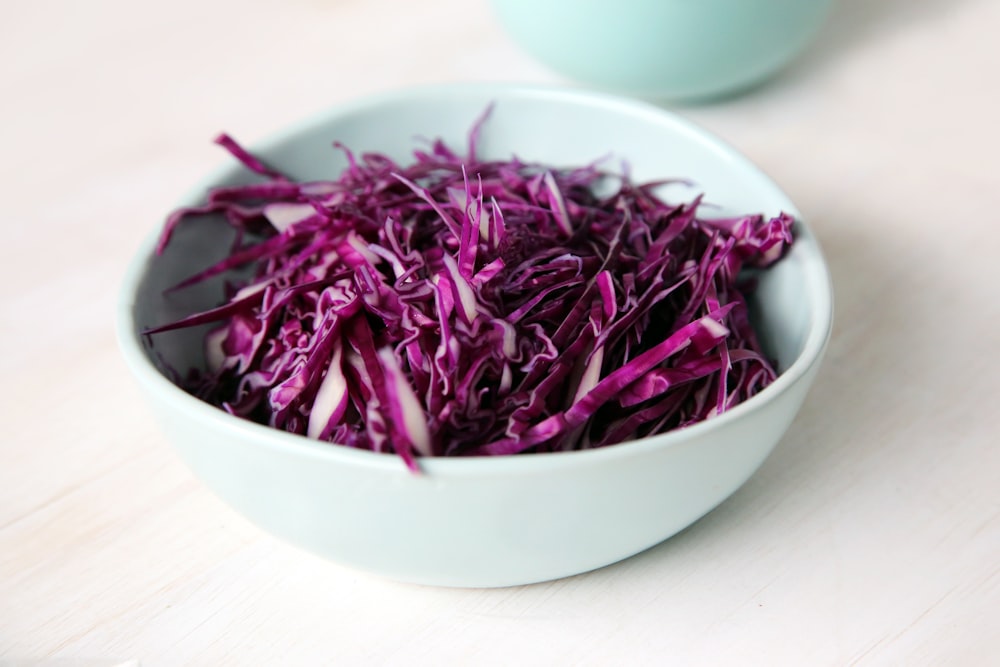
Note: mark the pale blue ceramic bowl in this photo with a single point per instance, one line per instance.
(680, 50)
(482, 521)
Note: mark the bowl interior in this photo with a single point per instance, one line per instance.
(791, 306)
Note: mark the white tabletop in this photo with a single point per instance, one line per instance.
(870, 536)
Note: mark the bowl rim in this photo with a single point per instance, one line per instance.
(816, 272)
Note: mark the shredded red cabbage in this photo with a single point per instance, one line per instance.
(457, 306)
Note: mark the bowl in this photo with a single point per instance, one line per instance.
(482, 521)
(681, 50)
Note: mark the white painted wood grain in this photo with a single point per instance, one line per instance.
(871, 536)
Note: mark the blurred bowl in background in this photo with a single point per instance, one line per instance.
(679, 50)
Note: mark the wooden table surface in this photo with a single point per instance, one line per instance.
(871, 535)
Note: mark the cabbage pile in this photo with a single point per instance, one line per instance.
(455, 306)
